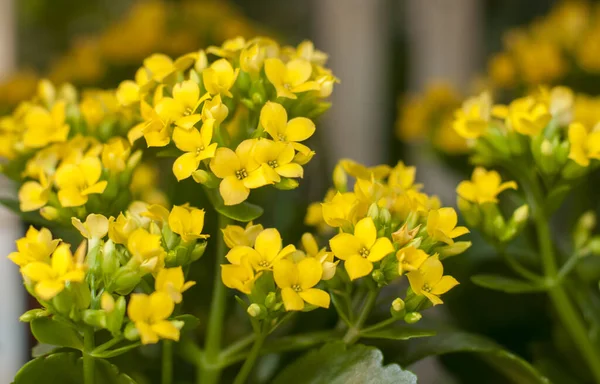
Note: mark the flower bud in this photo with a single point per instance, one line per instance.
(131, 333)
(95, 318)
(340, 179)
(114, 319)
(379, 277)
(583, 229)
(373, 212)
(33, 314)
(201, 62)
(594, 245)
(257, 311)
(205, 178)
(398, 306)
(49, 213)
(385, 216)
(270, 300)
(404, 236)
(198, 250)
(452, 250)
(126, 280)
(329, 269)
(470, 212)
(46, 92)
(82, 297)
(412, 317)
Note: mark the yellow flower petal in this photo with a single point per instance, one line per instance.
(310, 272)
(233, 191)
(316, 297)
(166, 330)
(285, 273)
(268, 244)
(345, 245)
(382, 247)
(299, 129)
(366, 232)
(225, 163)
(147, 335)
(185, 165)
(357, 267)
(48, 289)
(445, 284)
(161, 306)
(291, 300)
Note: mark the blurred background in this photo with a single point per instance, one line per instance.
(387, 53)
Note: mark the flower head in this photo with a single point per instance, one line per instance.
(279, 158)
(172, 282)
(35, 246)
(76, 182)
(471, 121)
(274, 119)
(235, 235)
(196, 144)
(268, 248)
(297, 283)
(291, 77)
(187, 222)
(584, 145)
(219, 78)
(149, 313)
(429, 281)
(484, 186)
(441, 225)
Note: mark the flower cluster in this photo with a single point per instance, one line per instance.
(237, 122)
(145, 250)
(428, 116)
(94, 59)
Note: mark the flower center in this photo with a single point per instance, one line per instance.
(287, 86)
(263, 264)
(364, 252)
(273, 164)
(188, 111)
(199, 149)
(281, 137)
(241, 174)
(426, 287)
(296, 287)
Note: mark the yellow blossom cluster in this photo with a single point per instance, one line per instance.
(146, 243)
(94, 59)
(235, 116)
(428, 117)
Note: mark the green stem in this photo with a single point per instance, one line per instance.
(243, 374)
(108, 344)
(353, 333)
(237, 347)
(167, 362)
(88, 360)
(381, 324)
(566, 311)
(210, 369)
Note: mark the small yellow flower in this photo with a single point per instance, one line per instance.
(410, 259)
(360, 250)
(115, 154)
(441, 225)
(43, 127)
(290, 78)
(429, 281)
(121, 228)
(402, 178)
(528, 116)
(128, 92)
(267, 250)
(94, 227)
(310, 246)
(187, 222)
(239, 171)
(150, 314)
(584, 145)
(341, 210)
(273, 118)
(235, 235)
(220, 77)
(214, 109)
(181, 108)
(471, 121)
(278, 157)
(359, 171)
(197, 145)
(35, 246)
(239, 276)
(484, 186)
(172, 282)
(146, 249)
(306, 50)
(297, 283)
(34, 195)
(50, 278)
(76, 181)
(229, 48)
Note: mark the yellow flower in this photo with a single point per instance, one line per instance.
(94, 227)
(441, 225)
(121, 228)
(181, 108)
(197, 145)
(341, 210)
(219, 78)
(172, 282)
(471, 121)
(43, 127)
(273, 118)
(528, 116)
(584, 145)
(290, 78)
(229, 48)
(502, 70)
(402, 178)
(267, 250)
(50, 278)
(235, 235)
(35, 246)
(310, 246)
(410, 259)
(214, 109)
(359, 171)
(187, 222)
(306, 50)
(429, 281)
(115, 154)
(239, 171)
(484, 186)
(128, 92)
(239, 276)
(297, 283)
(34, 195)
(146, 249)
(76, 181)
(150, 313)
(278, 156)
(361, 250)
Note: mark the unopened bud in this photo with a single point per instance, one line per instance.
(95, 318)
(329, 269)
(385, 216)
(270, 300)
(131, 333)
(378, 276)
(205, 178)
(521, 214)
(254, 310)
(198, 251)
(398, 305)
(594, 245)
(452, 250)
(33, 314)
(373, 212)
(201, 62)
(46, 91)
(412, 317)
(403, 236)
(546, 148)
(107, 302)
(49, 213)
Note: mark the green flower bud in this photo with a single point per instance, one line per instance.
(114, 319)
(126, 280)
(131, 333)
(373, 212)
(198, 251)
(270, 300)
(385, 216)
(583, 229)
(63, 302)
(452, 250)
(412, 317)
(379, 277)
(287, 184)
(470, 212)
(81, 294)
(516, 223)
(95, 318)
(594, 245)
(205, 178)
(255, 310)
(243, 81)
(398, 306)
(34, 314)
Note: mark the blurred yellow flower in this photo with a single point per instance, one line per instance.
(234, 235)
(76, 182)
(584, 145)
(149, 313)
(35, 246)
(219, 78)
(187, 222)
(484, 187)
(172, 282)
(441, 225)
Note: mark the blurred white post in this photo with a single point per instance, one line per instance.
(445, 41)
(355, 35)
(12, 335)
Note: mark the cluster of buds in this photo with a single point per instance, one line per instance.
(235, 116)
(145, 250)
(386, 228)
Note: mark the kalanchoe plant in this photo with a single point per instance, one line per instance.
(542, 144)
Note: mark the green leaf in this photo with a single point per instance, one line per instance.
(243, 212)
(398, 333)
(511, 365)
(335, 363)
(67, 368)
(49, 331)
(506, 284)
(190, 322)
